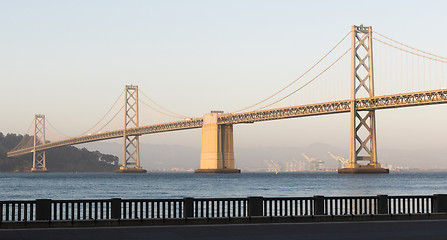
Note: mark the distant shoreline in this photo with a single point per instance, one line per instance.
(243, 171)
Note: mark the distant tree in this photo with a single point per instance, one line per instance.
(62, 159)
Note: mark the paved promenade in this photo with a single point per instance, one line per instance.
(377, 230)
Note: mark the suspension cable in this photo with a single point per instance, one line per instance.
(417, 54)
(23, 138)
(29, 128)
(158, 105)
(24, 143)
(321, 73)
(59, 132)
(409, 46)
(121, 108)
(174, 116)
(308, 70)
(54, 133)
(110, 109)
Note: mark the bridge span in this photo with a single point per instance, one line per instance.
(344, 106)
(217, 154)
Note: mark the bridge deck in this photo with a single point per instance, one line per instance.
(375, 103)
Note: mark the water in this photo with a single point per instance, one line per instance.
(27, 186)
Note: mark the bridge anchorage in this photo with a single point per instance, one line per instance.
(363, 123)
(131, 143)
(39, 139)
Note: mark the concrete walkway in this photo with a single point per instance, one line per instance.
(377, 230)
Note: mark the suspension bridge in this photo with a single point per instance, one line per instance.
(406, 76)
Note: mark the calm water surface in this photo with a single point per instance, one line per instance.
(25, 186)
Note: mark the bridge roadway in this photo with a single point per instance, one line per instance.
(374, 103)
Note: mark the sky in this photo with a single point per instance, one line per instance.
(70, 60)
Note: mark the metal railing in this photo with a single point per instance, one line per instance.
(151, 208)
(220, 207)
(350, 205)
(80, 209)
(288, 206)
(410, 204)
(116, 208)
(17, 210)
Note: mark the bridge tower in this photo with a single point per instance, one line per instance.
(217, 146)
(363, 123)
(39, 139)
(131, 143)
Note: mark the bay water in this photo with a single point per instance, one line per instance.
(29, 186)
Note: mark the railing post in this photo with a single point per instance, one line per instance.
(439, 203)
(43, 209)
(188, 207)
(255, 206)
(318, 205)
(116, 208)
(382, 204)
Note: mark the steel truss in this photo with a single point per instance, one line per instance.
(344, 106)
(364, 104)
(363, 145)
(131, 143)
(39, 139)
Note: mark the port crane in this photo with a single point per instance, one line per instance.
(341, 160)
(273, 166)
(314, 163)
(294, 166)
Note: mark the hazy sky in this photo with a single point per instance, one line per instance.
(71, 59)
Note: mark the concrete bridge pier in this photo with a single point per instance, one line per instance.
(217, 147)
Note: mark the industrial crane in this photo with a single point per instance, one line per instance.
(294, 166)
(341, 160)
(273, 166)
(314, 163)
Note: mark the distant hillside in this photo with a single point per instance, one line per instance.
(63, 159)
